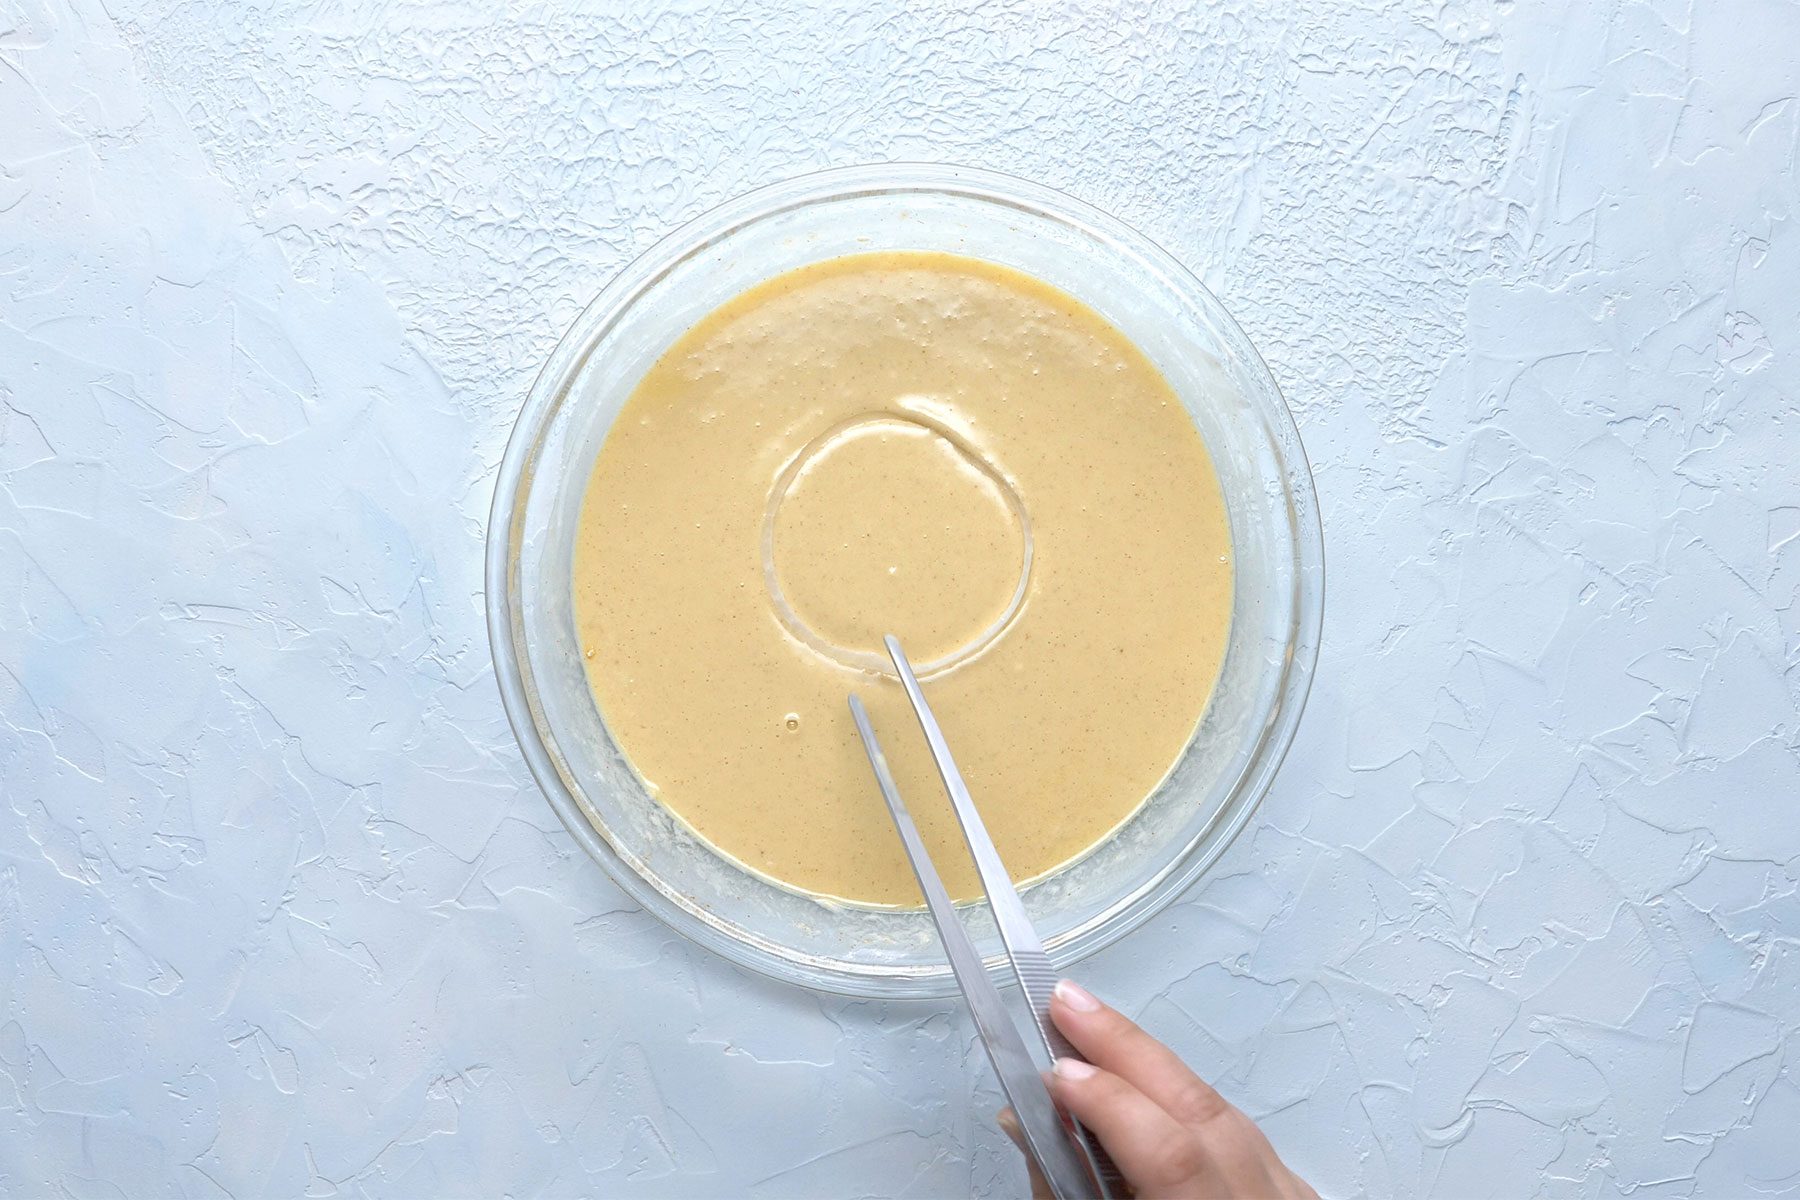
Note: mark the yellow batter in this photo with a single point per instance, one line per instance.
(922, 444)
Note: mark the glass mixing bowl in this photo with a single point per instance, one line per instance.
(1180, 830)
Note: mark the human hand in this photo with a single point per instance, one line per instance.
(1169, 1132)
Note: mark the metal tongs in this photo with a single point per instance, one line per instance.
(1072, 1161)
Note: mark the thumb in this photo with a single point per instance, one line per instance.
(1009, 1125)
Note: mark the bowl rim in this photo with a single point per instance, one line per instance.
(505, 619)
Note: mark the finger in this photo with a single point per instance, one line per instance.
(1009, 1125)
(1110, 1040)
(1135, 1130)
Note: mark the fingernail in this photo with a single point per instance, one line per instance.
(1073, 1069)
(1076, 996)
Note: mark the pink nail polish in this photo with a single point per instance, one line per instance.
(1076, 996)
(1074, 1069)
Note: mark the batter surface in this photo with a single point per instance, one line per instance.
(922, 444)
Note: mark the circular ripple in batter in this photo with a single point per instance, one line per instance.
(862, 511)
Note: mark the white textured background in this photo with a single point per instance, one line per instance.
(281, 912)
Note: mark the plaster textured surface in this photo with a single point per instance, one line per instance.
(281, 912)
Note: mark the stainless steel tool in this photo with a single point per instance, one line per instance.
(1072, 1161)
